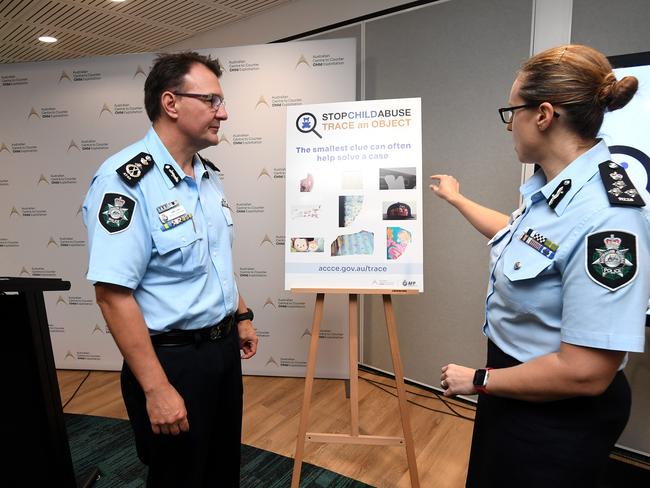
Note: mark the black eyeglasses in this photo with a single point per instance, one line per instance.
(507, 113)
(212, 98)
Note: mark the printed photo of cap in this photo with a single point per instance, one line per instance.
(399, 210)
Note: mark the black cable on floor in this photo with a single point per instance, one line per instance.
(75, 392)
(447, 404)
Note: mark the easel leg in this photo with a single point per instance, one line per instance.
(309, 384)
(354, 364)
(401, 391)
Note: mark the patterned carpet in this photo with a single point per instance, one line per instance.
(108, 444)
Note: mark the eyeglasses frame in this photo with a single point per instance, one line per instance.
(206, 97)
(503, 110)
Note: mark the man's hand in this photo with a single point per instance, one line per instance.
(166, 410)
(247, 339)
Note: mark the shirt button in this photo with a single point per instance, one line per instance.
(517, 265)
(183, 239)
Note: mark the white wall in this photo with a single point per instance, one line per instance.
(287, 20)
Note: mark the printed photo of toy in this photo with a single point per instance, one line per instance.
(307, 244)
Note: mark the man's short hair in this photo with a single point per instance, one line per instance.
(168, 72)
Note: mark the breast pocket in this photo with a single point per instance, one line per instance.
(532, 283)
(180, 251)
(521, 262)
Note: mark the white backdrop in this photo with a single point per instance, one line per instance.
(60, 120)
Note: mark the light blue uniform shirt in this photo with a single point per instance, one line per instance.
(182, 278)
(535, 302)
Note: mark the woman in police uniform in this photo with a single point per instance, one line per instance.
(567, 293)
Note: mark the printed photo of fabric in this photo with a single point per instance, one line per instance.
(351, 244)
(349, 209)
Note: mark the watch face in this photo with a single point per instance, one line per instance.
(479, 377)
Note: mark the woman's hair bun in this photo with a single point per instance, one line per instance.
(617, 94)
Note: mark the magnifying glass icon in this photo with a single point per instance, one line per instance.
(306, 122)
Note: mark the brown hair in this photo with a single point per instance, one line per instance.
(580, 79)
(168, 73)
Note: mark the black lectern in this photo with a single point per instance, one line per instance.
(37, 443)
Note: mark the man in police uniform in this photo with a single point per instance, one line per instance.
(160, 237)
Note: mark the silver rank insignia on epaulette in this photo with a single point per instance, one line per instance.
(619, 187)
(133, 170)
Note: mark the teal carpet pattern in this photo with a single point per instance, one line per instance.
(108, 444)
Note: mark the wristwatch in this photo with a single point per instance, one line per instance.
(247, 315)
(481, 380)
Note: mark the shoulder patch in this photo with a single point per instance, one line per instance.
(133, 170)
(116, 212)
(611, 258)
(619, 187)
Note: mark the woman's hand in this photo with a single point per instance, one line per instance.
(457, 380)
(447, 188)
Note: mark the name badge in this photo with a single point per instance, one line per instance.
(166, 206)
(172, 213)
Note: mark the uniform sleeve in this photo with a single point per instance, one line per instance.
(606, 285)
(119, 238)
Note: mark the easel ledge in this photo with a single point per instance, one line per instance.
(360, 291)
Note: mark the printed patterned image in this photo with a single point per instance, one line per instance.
(397, 240)
(305, 212)
(349, 209)
(307, 244)
(349, 244)
(397, 178)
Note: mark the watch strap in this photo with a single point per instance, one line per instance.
(247, 315)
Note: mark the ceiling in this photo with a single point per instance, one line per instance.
(104, 27)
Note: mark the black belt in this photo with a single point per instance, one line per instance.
(177, 337)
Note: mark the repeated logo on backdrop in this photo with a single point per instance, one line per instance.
(51, 147)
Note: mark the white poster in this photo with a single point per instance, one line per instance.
(354, 196)
(61, 119)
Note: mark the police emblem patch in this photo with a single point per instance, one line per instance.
(611, 258)
(116, 212)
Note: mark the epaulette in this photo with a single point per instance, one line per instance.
(133, 170)
(208, 163)
(619, 187)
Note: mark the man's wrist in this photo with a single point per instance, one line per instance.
(241, 316)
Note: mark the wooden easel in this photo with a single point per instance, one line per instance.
(354, 437)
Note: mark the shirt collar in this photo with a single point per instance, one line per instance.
(164, 160)
(579, 171)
